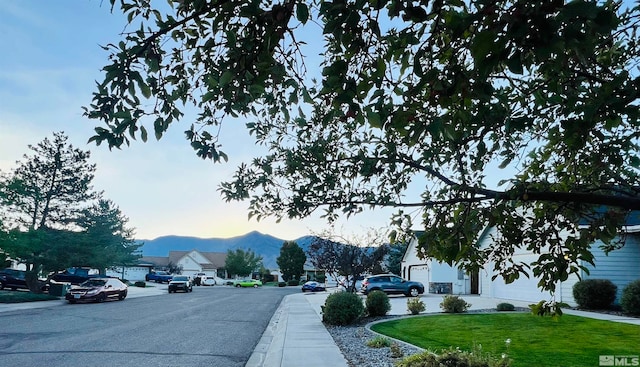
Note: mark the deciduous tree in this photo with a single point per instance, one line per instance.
(349, 260)
(291, 260)
(441, 95)
(242, 263)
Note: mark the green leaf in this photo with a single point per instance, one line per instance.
(302, 13)
(374, 119)
(226, 78)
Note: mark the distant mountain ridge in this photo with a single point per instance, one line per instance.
(264, 245)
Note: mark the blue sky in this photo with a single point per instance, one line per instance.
(50, 59)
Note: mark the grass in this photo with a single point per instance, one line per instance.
(20, 296)
(569, 341)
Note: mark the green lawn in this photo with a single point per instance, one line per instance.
(569, 341)
(23, 296)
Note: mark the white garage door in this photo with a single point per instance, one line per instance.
(419, 274)
(523, 289)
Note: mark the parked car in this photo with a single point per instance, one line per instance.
(208, 280)
(97, 290)
(391, 284)
(247, 283)
(12, 278)
(158, 277)
(312, 286)
(180, 283)
(16, 279)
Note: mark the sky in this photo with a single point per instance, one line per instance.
(49, 63)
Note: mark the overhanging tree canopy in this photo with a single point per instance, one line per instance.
(438, 95)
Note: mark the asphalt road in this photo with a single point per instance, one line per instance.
(212, 327)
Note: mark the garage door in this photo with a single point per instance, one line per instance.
(419, 274)
(523, 289)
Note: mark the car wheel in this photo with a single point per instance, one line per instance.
(237, 285)
(255, 286)
(102, 297)
(72, 301)
(122, 296)
(413, 292)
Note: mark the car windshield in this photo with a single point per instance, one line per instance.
(93, 283)
(180, 278)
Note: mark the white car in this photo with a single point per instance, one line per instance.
(208, 280)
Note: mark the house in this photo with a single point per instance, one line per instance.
(619, 266)
(131, 273)
(191, 262)
(438, 278)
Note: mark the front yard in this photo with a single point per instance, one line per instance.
(528, 340)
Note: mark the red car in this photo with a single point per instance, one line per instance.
(97, 290)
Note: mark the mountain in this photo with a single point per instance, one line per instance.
(264, 245)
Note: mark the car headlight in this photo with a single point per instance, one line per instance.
(93, 291)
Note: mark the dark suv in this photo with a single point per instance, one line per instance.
(391, 284)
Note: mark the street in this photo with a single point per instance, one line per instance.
(212, 326)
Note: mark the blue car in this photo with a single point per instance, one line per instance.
(312, 287)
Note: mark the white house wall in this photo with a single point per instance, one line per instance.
(189, 265)
(130, 273)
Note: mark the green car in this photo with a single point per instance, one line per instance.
(247, 283)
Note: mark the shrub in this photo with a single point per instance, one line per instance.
(293, 282)
(320, 278)
(379, 342)
(282, 284)
(395, 351)
(504, 306)
(378, 303)
(140, 284)
(453, 358)
(594, 293)
(630, 300)
(415, 305)
(342, 308)
(454, 304)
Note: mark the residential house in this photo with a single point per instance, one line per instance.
(438, 278)
(619, 266)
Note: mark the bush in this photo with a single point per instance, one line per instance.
(453, 358)
(140, 284)
(293, 282)
(505, 307)
(630, 300)
(378, 303)
(342, 308)
(320, 278)
(415, 305)
(454, 304)
(379, 342)
(594, 294)
(282, 284)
